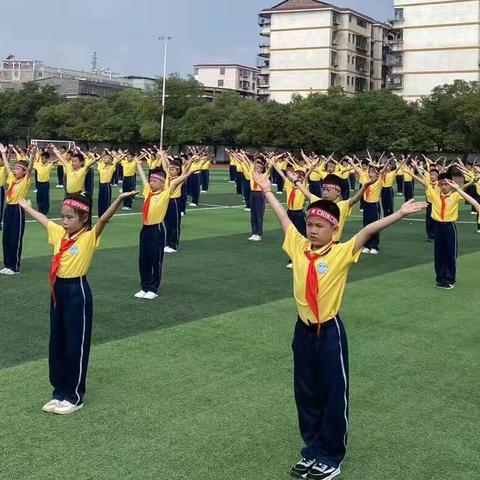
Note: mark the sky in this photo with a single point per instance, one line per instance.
(124, 33)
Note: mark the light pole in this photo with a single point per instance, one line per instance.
(164, 39)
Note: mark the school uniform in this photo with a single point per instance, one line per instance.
(76, 178)
(60, 174)
(129, 169)
(429, 223)
(408, 185)
(152, 163)
(282, 165)
(239, 179)
(232, 169)
(295, 202)
(173, 218)
(400, 180)
(14, 222)
(320, 349)
(195, 183)
(371, 211)
(3, 181)
(344, 173)
(205, 176)
(387, 193)
(315, 181)
(363, 179)
(89, 181)
(43, 171)
(444, 215)
(471, 190)
(247, 178)
(152, 239)
(105, 174)
(257, 207)
(71, 312)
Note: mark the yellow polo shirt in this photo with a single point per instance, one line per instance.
(158, 205)
(407, 175)
(20, 189)
(444, 207)
(106, 172)
(43, 170)
(129, 168)
(3, 175)
(388, 179)
(373, 192)
(332, 272)
(76, 261)
(364, 177)
(75, 178)
(299, 200)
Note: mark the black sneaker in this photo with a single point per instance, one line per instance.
(301, 468)
(322, 472)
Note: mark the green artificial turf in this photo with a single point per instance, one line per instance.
(198, 384)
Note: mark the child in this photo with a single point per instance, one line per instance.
(71, 310)
(129, 167)
(18, 181)
(43, 168)
(3, 181)
(387, 195)
(205, 174)
(320, 345)
(152, 236)
(106, 167)
(445, 202)
(76, 171)
(173, 216)
(60, 172)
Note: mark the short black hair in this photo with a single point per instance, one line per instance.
(328, 206)
(79, 156)
(260, 162)
(85, 199)
(332, 179)
(45, 155)
(445, 176)
(158, 171)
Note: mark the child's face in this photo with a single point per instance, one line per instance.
(373, 174)
(156, 183)
(107, 160)
(18, 172)
(300, 176)
(319, 231)
(445, 188)
(330, 167)
(258, 168)
(71, 221)
(434, 176)
(330, 194)
(173, 171)
(76, 163)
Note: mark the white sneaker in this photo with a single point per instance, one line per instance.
(203, 191)
(246, 209)
(478, 231)
(473, 213)
(251, 239)
(290, 266)
(193, 205)
(35, 191)
(58, 186)
(150, 296)
(374, 251)
(66, 408)
(140, 294)
(366, 250)
(3, 270)
(257, 238)
(169, 250)
(50, 406)
(182, 214)
(7, 271)
(126, 208)
(280, 193)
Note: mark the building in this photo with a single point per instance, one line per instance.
(227, 77)
(70, 83)
(433, 43)
(311, 46)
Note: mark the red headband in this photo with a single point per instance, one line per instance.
(77, 205)
(23, 167)
(319, 213)
(331, 186)
(156, 176)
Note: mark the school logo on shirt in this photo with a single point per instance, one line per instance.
(155, 199)
(322, 268)
(74, 250)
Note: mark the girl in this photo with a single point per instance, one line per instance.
(106, 169)
(173, 216)
(152, 236)
(388, 197)
(71, 310)
(18, 181)
(76, 171)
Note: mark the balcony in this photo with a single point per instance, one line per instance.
(362, 70)
(264, 50)
(361, 48)
(265, 30)
(394, 60)
(395, 82)
(263, 21)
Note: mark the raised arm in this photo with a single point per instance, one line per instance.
(468, 198)
(359, 195)
(176, 182)
(143, 177)
(293, 177)
(266, 186)
(3, 152)
(103, 220)
(39, 217)
(407, 209)
(31, 161)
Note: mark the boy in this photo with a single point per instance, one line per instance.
(43, 168)
(320, 352)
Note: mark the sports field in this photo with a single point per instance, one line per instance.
(198, 384)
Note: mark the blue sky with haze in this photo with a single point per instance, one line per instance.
(65, 33)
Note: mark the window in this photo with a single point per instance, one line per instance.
(399, 14)
(348, 80)
(221, 83)
(361, 23)
(222, 71)
(348, 61)
(350, 18)
(253, 86)
(349, 37)
(195, 71)
(353, 60)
